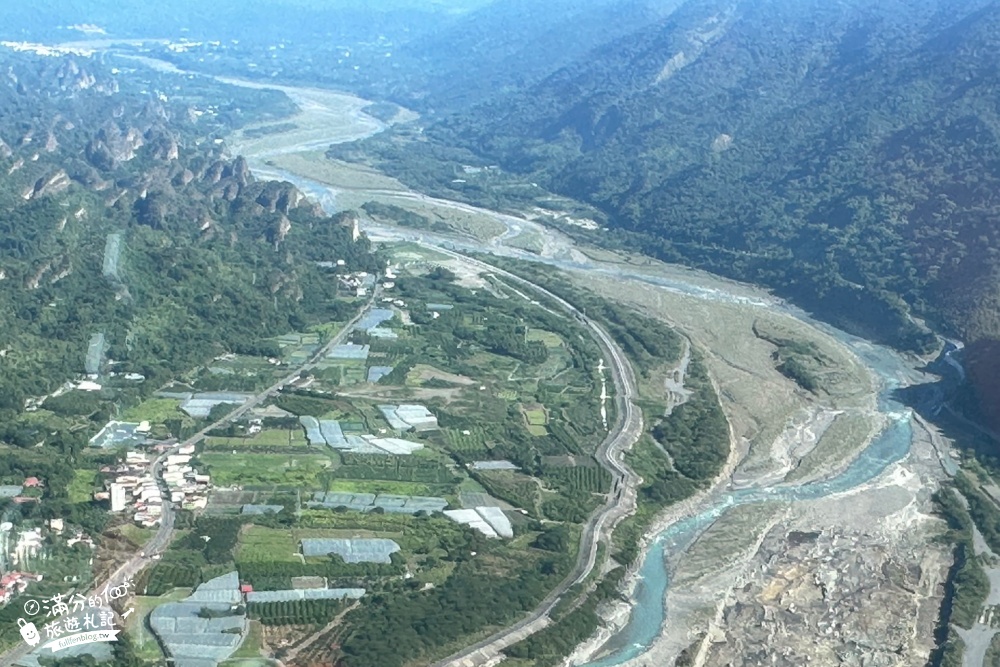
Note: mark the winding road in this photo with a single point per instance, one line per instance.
(621, 500)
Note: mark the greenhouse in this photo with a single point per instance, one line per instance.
(374, 550)
(194, 641)
(261, 509)
(349, 351)
(306, 594)
(366, 502)
(376, 373)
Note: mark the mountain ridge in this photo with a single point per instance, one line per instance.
(209, 259)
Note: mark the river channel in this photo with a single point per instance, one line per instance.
(649, 612)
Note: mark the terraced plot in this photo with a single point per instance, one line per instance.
(536, 418)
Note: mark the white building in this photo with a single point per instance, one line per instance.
(117, 497)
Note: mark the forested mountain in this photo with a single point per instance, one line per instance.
(846, 153)
(508, 46)
(122, 216)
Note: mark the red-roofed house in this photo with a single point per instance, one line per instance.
(32, 482)
(246, 588)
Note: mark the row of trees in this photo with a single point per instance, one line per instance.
(295, 612)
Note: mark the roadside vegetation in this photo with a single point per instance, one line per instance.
(964, 508)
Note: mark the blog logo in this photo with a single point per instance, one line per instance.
(29, 632)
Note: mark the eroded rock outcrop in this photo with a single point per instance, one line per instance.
(52, 184)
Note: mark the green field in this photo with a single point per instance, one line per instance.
(154, 410)
(342, 371)
(536, 418)
(385, 486)
(82, 487)
(260, 544)
(588, 478)
(266, 439)
(547, 338)
(300, 471)
(136, 534)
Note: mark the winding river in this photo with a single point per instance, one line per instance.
(649, 611)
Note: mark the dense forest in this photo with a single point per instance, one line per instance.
(122, 220)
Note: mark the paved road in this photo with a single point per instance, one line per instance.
(161, 540)
(620, 502)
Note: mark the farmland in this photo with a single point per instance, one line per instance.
(504, 379)
(261, 470)
(269, 439)
(154, 410)
(536, 418)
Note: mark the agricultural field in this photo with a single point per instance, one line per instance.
(547, 338)
(470, 442)
(235, 373)
(504, 382)
(292, 471)
(136, 534)
(250, 649)
(536, 417)
(154, 410)
(265, 545)
(341, 372)
(268, 439)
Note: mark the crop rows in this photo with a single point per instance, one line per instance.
(459, 442)
(295, 612)
(518, 492)
(591, 479)
(164, 577)
(395, 472)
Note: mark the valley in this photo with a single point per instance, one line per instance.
(333, 381)
(783, 478)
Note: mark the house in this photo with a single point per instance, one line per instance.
(246, 588)
(32, 482)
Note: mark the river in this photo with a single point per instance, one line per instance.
(649, 612)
